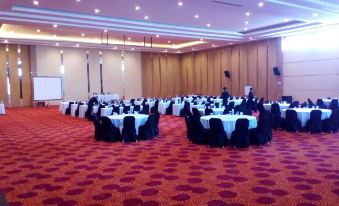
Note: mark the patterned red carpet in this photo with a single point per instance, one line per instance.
(50, 159)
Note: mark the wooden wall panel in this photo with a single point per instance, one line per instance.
(183, 63)
(190, 74)
(178, 83)
(210, 72)
(163, 75)
(243, 66)
(148, 72)
(14, 78)
(156, 76)
(262, 70)
(235, 70)
(217, 73)
(171, 73)
(197, 67)
(3, 85)
(204, 73)
(26, 76)
(226, 65)
(253, 66)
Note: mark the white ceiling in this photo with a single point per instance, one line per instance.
(169, 27)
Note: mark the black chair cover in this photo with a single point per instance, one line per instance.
(128, 132)
(110, 132)
(217, 135)
(240, 136)
(292, 123)
(314, 124)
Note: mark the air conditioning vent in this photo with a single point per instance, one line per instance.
(227, 3)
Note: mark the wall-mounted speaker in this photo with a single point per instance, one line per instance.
(276, 71)
(227, 74)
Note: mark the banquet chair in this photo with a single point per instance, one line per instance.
(155, 107)
(110, 132)
(231, 105)
(145, 110)
(287, 99)
(144, 102)
(262, 134)
(295, 104)
(116, 109)
(146, 131)
(304, 105)
(216, 105)
(200, 134)
(261, 107)
(208, 111)
(292, 123)
(217, 136)
(92, 101)
(196, 112)
(156, 123)
(310, 103)
(127, 109)
(334, 105)
(240, 136)
(320, 104)
(314, 125)
(77, 110)
(186, 110)
(136, 108)
(331, 124)
(189, 128)
(99, 109)
(169, 109)
(98, 132)
(128, 131)
(227, 110)
(132, 101)
(68, 110)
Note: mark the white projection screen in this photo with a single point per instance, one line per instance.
(47, 88)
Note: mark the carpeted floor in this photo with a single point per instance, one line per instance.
(50, 159)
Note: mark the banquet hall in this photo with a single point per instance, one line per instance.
(169, 102)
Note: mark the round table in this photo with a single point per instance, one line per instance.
(74, 107)
(281, 105)
(177, 108)
(2, 109)
(228, 122)
(126, 101)
(218, 101)
(118, 120)
(236, 101)
(82, 110)
(63, 106)
(163, 106)
(216, 111)
(304, 114)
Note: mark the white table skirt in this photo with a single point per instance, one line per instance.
(228, 122)
(327, 102)
(74, 107)
(63, 106)
(82, 110)
(217, 101)
(177, 108)
(107, 111)
(282, 106)
(304, 114)
(2, 109)
(216, 111)
(188, 99)
(118, 120)
(126, 101)
(236, 101)
(107, 97)
(163, 106)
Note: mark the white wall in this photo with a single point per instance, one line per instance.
(311, 71)
(75, 79)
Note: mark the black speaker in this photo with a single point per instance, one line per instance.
(227, 74)
(276, 71)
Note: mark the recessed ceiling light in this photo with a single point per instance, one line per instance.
(146, 17)
(96, 11)
(54, 35)
(251, 38)
(201, 39)
(165, 51)
(129, 38)
(55, 25)
(157, 35)
(180, 3)
(137, 8)
(230, 43)
(57, 44)
(173, 44)
(169, 42)
(77, 45)
(78, 0)
(38, 30)
(36, 3)
(100, 52)
(213, 45)
(132, 49)
(246, 22)
(208, 25)
(261, 4)
(247, 13)
(115, 47)
(315, 14)
(105, 30)
(61, 51)
(196, 16)
(245, 29)
(82, 34)
(6, 41)
(286, 20)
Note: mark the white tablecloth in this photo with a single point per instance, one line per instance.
(216, 111)
(217, 101)
(107, 111)
(282, 106)
(2, 109)
(228, 122)
(163, 106)
(176, 99)
(82, 110)
(107, 97)
(63, 106)
(118, 120)
(236, 101)
(127, 101)
(189, 99)
(74, 107)
(327, 102)
(304, 114)
(177, 108)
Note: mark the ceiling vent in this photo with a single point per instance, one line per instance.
(226, 3)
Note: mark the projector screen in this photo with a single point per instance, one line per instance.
(47, 88)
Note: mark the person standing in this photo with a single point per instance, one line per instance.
(250, 94)
(224, 95)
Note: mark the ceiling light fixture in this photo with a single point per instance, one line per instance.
(82, 35)
(201, 39)
(157, 35)
(245, 29)
(286, 20)
(146, 17)
(261, 4)
(129, 38)
(169, 42)
(38, 30)
(36, 3)
(137, 8)
(77, 45)
(96, 11)
(6, 41)
(180, 3)
(105, 30)
(315, 14)
(132, 49)
(208, 25)
(57, 44)
(247, 13)
(246, 22)
(196, 16)
(55, 25)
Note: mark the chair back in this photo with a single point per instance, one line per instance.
(145, 109)
(320, 104)
(334, 104)
(217, 137)
(240, 136)
(98, 133)
(128, 131)
(136, 108)
(310, 103)
(196, 112)
(208, 111)
(315, 116)
(189, 128)
(110, 132)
